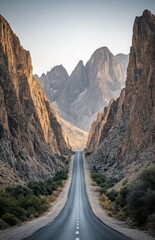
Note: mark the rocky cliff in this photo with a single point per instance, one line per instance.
(89, 88)
(54, 82)
(101, 127)
(31, 139)
(130, 145)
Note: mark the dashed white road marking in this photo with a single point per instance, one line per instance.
(77, 224)
(77, 232)
(77, 238)
(77, 227)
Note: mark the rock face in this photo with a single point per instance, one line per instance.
(31, 139)
(101, 127)
(54, 82)
(130, 145)
(89, 88)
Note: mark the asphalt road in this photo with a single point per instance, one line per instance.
(76, 221)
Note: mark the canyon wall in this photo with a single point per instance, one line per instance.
(130, 144)
(31, 139)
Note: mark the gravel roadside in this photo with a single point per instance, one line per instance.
(119, 226)
(26, 229)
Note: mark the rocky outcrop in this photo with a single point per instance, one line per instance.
(30, 136)
(101, 127)
(89, 88)
(78, 81)
(130, 144)
(54, 82)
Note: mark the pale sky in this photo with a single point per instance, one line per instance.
(66, 31)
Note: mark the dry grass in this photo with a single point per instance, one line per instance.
(105, 202)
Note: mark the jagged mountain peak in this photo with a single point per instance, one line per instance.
(79, 67)
(102, 53)
(80, 64)
(89, 88)
(148, 13)
(58, 68)
(102, 50)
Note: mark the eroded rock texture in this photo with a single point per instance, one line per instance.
(31, 140)
(130, 144)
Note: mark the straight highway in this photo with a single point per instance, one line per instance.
(76, 221)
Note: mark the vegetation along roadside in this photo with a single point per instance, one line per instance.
(134, 202)
(24, 202)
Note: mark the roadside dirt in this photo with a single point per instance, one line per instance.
(119, 226)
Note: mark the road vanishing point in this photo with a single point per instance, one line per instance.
(76, 221)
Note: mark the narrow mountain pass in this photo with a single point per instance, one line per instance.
(76, 221)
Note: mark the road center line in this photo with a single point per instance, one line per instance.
(77, 232)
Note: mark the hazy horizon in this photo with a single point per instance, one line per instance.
(64, 32)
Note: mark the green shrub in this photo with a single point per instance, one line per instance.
(112, 195)
(59, 176)
(148, 178)
(37, 188)
(3, 224)
(5, 201)
(141, 202)
(137, 200)
(18, 211)
(27, 201)
(19, 191)
(10, 219)
(121, 199)
(151, 222)
(102, 181)
(98, 178)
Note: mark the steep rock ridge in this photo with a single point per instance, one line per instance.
(78, 81)
(48, 119)
(130, 144)
(28, 144)
(104, 75)
(90, 87)
(101, 127)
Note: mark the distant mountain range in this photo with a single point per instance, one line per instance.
(80, 96)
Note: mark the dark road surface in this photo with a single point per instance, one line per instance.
(76, 221)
